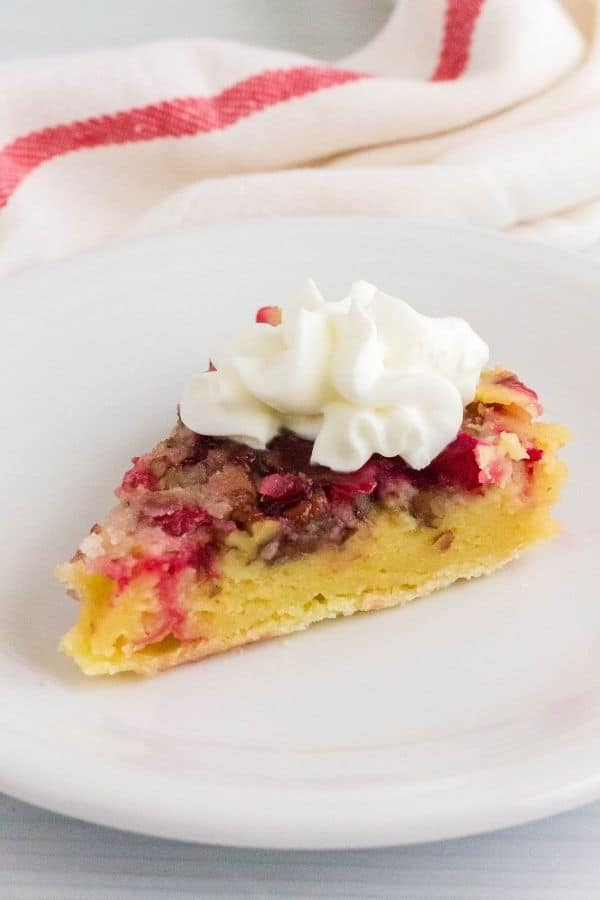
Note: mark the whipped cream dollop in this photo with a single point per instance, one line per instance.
(366, 374)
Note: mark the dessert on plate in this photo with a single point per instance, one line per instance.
(335, 457)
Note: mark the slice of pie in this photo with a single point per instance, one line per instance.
(215, 543)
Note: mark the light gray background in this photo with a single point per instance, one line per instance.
(48, 857)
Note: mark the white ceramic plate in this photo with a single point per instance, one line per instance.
(476, 708)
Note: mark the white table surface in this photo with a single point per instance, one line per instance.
(48, 857)
(44, 856)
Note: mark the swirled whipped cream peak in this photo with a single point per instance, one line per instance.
(363, 375)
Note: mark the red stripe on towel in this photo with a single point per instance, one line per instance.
(461, 16)
(181, 117)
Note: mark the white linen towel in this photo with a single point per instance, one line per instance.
(475, 111)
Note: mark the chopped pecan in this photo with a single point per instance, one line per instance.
(444, 541)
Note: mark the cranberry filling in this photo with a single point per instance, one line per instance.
(204, 487)
(181, 520)
(166, 569)
(138, 476)
(124, 570)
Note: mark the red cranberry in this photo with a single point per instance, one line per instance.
(269, 315)
(284, 486)
(139, 476)
(456, 466)
(281, 490)
(345, 486)
(535, 453)
(182, 519)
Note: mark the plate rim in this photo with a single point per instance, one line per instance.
(130, 241)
